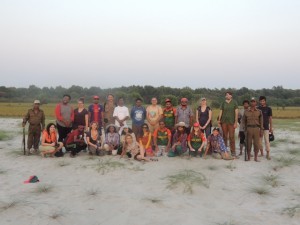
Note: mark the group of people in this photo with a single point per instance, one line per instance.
(156, 131)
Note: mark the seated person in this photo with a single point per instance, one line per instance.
(112, 140)
(75, 141)
(49, 141)
(93, 139)
(145, 140)
(196, 140)
(132, 149)
(216, 144)
(162, 139)
(124, 131)
(179, 141)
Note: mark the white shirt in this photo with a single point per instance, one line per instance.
(121, 112)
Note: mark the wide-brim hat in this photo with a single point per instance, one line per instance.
(180, 124)
(110, 125)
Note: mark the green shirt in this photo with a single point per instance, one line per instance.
(228, 112)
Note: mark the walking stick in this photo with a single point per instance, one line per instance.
(23, 141)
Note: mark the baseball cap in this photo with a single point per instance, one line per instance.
(196, 125)
(253, 99)
(32, 179)
(37, 102)
(96, 97)
(168, 100)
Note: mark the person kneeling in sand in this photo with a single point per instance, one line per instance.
(216, 144)
(94, 140)
(112, 140)
(49, 141)
(75, 141)
(132, 149)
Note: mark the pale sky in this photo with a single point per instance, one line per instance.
(113, 43)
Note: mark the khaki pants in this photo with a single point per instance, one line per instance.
(252, 137)
(228, 133)
(34, 135)
(266, 139)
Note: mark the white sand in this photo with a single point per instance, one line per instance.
(137, 194)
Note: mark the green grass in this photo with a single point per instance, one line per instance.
(271, 179)
(43, 188)
(9, 205)
(292, 211)
(294, 152)
(104, 166)
(4, 136)
(285, 161)
(187, 179)
(262, 190)
(63, 163)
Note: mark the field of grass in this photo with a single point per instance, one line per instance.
(19, 109)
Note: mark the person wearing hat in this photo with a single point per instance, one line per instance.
(36, 119)
(215, 144)
(179, 141)
(96, 113)
(196, 141)
(112, 140)
(169, 113)
(64, 114)
(228, 118)
(253, 120)
(204, 117)
(268, 125)
(184, 114)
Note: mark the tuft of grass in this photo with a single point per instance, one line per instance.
(43, 188)
(230, 222)
(15, 152)
(56, 214)
(9, 205)
(212, 167)
(92, 192)
(292, 211)
(263, 191)
(136, 168)
(104, 166)
(294, 151)
(4, 135)
(2, 171)
(231, 166)
(63, 163)
(154, 200)
(271, 180)
(187, 179)
(285, 161)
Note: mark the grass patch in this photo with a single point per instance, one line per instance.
(292, 211)
(231, 166)
(212, 167)
(104, 166)
(57, 214)
(285, 161)
(3, 171)
(9, 205)
(187, 179)
(136, 168)
(15, 152)
(63, 163)
(154, 200)
(4, 136)
(227, 223)
(43, 188)
(271, 180)
(294, 151)
(262, 191)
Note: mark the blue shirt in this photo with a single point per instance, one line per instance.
(138, 115)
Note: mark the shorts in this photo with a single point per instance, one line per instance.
(242, 137)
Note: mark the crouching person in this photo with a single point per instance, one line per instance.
(131, 149)
(75, 141)
(49, 144)
(216, 144)
(94, 140)
(179, 141)
(112, 140)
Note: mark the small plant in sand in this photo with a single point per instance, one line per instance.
(136, 168)
(187, 179)
(212, 167)
(15, 152)
(294, 151)
(292, 211)
(231, 166)
(106, 165)
(92, 192)
(63, 163)
(285, 161)
(262, 190)
(154, 200)
(230, 222)
(43, 188)
(2, 171)
(271, 180)
(8, 205)
(56, 214)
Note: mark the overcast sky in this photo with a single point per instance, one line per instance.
(113, 43)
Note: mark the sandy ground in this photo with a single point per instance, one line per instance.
(136, 194)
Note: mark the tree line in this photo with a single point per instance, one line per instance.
(276, 96)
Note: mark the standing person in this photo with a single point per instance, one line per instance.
(253, 120)
(242, 129)
(109, 107)
(75, 141)
(64, 117)
(49, 143)
(138, 116)
(36, 118)
(179, 142)
(228, 117)
(169, 113)
(184, 114)
(267, 123)
(121, 114)
(162, 139)
(81, 116)
(154, 114)
(96, 113)
(204, 117)
(196, 141)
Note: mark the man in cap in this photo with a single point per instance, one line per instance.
(228, 118)
(184, 114)
(253, 121)
(96, 113)
(36, 118)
